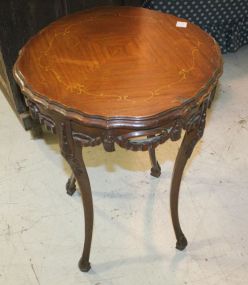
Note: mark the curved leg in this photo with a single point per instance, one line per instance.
(71, 185)
(73, 154)
(190, 139)
(85, 189)
(156, 169)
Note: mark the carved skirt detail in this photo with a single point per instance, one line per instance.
(140, 140)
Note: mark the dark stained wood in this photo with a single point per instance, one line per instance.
(71, 185)
(73, 154)
(156, 169)
(123, 76)
(193, 134)
(119, 62)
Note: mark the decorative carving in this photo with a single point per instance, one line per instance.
(142, 140)
(135, 140)
(196, 120)
(85, 140)
(43, 119)
(176, 130)
(153, 137)
(48, 123)
(34, 111)
(108, 143)
(139, 140)
(67, 150)
(196, 125)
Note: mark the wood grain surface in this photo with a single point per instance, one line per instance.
(118, 62)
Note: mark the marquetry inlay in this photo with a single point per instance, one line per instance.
(107, 62)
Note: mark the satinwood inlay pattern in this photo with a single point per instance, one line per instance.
(119, 62)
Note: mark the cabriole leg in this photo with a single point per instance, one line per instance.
(73, 154)
(190, 139)
(85, 189)
(156, 169)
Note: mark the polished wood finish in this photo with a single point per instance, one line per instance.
(156, 169)
(124, 76)
(118, 62)
(73, 154)
(192, 135)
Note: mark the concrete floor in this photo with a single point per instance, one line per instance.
(41, 228)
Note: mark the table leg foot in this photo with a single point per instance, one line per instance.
(156, 169)
(84, 266)
(181, 242)
(71, 185)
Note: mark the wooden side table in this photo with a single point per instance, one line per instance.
(126, 76)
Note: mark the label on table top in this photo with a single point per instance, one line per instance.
(181, 24)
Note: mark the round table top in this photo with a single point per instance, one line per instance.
(118, 62)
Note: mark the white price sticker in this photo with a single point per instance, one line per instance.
(181, 24)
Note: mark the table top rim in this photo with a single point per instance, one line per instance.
(118, 121)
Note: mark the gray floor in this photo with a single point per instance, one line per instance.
(41, 228)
